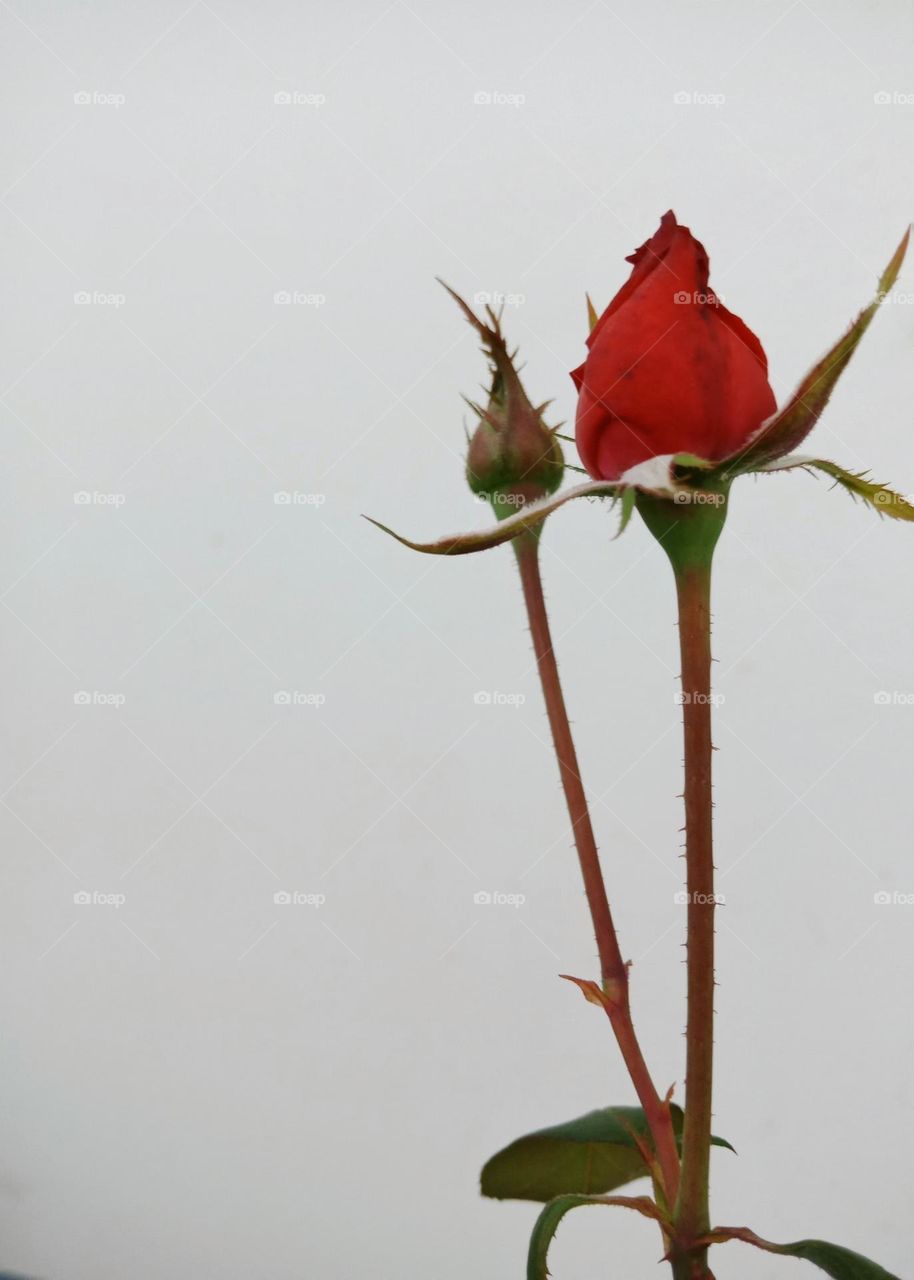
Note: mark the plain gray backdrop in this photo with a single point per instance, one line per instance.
(221, 227)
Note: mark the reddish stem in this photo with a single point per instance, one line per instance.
(693, 585)
(613, 968)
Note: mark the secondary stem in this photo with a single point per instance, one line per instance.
(614, 970)
(693, 586)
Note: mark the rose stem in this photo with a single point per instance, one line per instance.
(613, 968)
(693, 589)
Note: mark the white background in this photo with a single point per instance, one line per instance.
(202, 1082)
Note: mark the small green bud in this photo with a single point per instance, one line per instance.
(514, 457)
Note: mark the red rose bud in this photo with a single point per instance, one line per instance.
(670, 369)
(513, 458)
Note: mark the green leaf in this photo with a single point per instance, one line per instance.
(548, 1221)
(787, 428)
(528, 517)
(840, 1264)
(835, 1261)
(593, 1154)
(883, 500)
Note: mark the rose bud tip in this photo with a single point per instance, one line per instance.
(513, 456)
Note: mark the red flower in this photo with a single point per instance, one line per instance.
(669, 369)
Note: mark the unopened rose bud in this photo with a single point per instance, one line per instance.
(514, 457)
(669, 369)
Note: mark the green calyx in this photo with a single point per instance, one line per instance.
(689, 524)
(513, 458)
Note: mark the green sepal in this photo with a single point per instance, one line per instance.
(885, 501)
(627, 499)
(689, 524)
(548, 1221)
(528, 517)
(593, 316)
(591, 1155)
(790, 426)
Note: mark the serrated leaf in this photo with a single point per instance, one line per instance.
(787, 428)
(885, 501)
(528, 517)
(548, 1221)
(835, 1261)
(595, 1153)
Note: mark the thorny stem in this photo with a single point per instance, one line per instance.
(614, 970)
(691, 1220)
